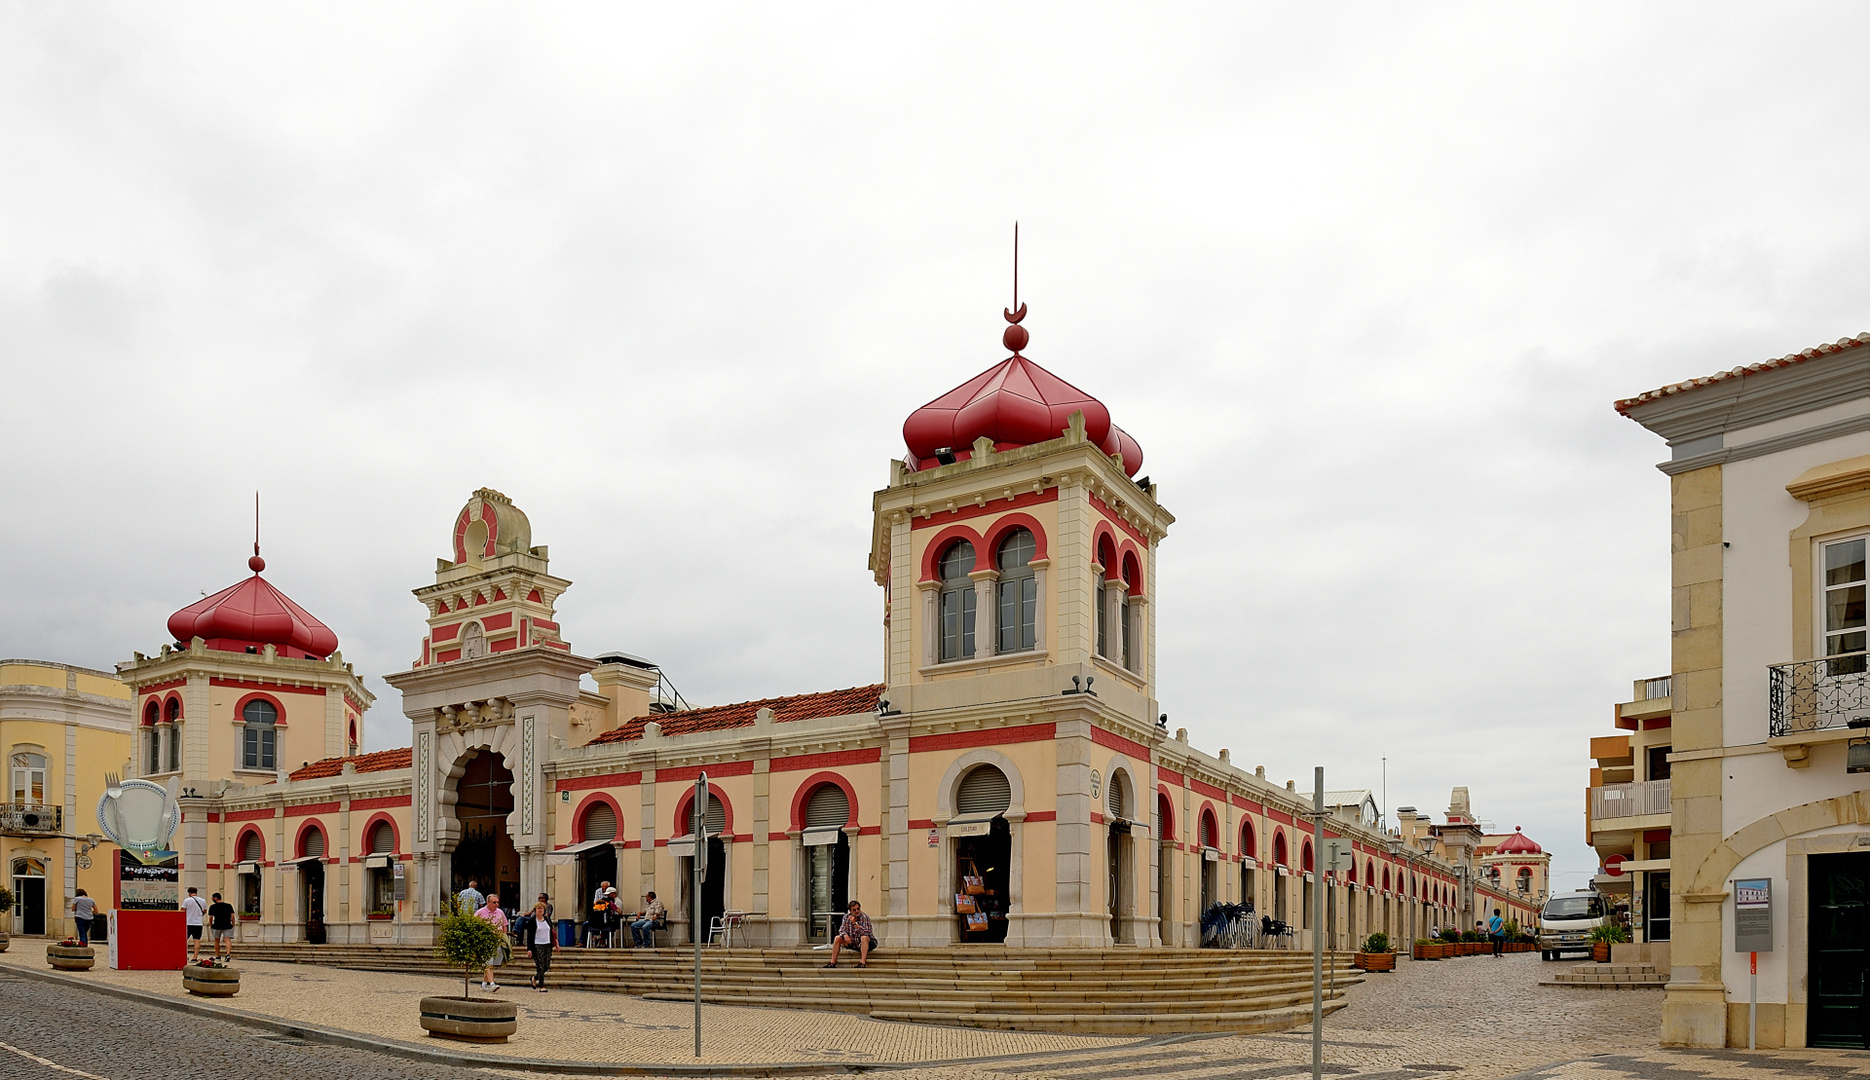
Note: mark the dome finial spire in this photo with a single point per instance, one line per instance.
(256, 564)
(1015, 336)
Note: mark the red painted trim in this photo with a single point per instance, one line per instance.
(1280, 817)
(503, 644)
(240, 841)
(583, 783)
(1306, 860)
(870, 830)
(960, 740)
(497, 622)
(479, 600)
(1042, 815)
(683, 820)
(1249, 840)
(1104, 539)
(691, 773)
(1170, 776)
(157, 688)
(1096, 818)
(1118, 522)
(247, 815)
(559, 645)
(1213, 820)
(801, 762)
(279, 708)
(312, 808)
(447, 656)
(547, 623)
(1281, 850)
(1201, 787)
(445, 633)
(1165, 805)
(994, 506)
(298, 841)
(1248, 805)
(385, 802)
(922, 823)
(370, 827)
(584, 806)
(931, 555)
(997, 531)
(811, 784)
(1657, 722)
(274, 687)
(152, 712)
(1135, 565)
(533, 597)
(169, 715)
(1137, 750)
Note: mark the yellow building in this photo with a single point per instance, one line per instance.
(62, 729)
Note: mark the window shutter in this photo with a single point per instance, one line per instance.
(828, 808)
(1114, 800)
(251, 848)
(1207, 831)
(315, 842)
(382, 839)
(600, 822)
(984, 793)
(716, 817)
(1155, 822)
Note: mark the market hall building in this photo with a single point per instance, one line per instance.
(1015, 737)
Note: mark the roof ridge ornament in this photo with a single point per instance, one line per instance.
(256, 564)
(1015, 337)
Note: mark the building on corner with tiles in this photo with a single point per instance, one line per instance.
(1012, 758)
(1769, 708)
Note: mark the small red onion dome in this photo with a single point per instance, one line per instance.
(1518, 844)
(254, 613)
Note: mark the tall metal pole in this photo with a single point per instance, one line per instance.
(1318, 926)
(700, 832)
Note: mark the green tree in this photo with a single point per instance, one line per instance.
(461, 938)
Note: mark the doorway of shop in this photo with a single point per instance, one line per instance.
(827, 859)
(1839, 953)
(29, 897)
(983, 854)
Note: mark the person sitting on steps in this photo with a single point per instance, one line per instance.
(854, 933)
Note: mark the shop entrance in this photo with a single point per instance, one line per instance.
(312, 897)
(713, 889)
(829, 871)
(1114, 860)
(1839, 953)
(485, 852)
(987, 857)
(1655, 907)
(29, 896)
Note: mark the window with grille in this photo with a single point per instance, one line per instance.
(382, 839)
(258, 743)
(1117, 797)
(252, 848)
(600, 822)
(313, 844)
(984, 792)
(1018, 592)
(828, 808)
(957, 602)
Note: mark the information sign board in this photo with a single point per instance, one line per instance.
(149, 880)
(1753, 915)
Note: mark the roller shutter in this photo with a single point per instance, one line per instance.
(715, 818)
(827, 808)
(315, 843)
(252, 849)
(382, 839)
(984, 793)
(600, 822)
(1116, 800)
(1207, 831)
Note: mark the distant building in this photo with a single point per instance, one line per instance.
(1628, 813)
(1358, 805)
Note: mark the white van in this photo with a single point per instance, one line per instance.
(1566, 922)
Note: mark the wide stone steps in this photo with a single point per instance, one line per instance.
(1611, 977)
(1103, 991)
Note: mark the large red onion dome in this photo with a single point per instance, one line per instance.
(254, 613)
(1518, 844)
(1014, 403)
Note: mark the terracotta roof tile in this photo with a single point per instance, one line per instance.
(857, 699)
(1625, 405)
(375, 761)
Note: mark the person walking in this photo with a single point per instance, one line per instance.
(537, 928)
(1496, 930)
(195, 910)
(470, 897)
(645, 923)
(854, 933)
(221, 925)
(491, 913)
(83, 910)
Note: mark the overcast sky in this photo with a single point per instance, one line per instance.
(1363, 281)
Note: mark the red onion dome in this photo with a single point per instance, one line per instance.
(1518, 844)
(254, 613)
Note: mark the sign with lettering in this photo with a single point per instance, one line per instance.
(148, 880)
(1753, 915)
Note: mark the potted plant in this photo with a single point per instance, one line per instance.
(1425, 949)
(213, 977)
(68, 955)
(1376, 955)
(381, 915)
(467, 942)
(6, 916)
(1603, 937)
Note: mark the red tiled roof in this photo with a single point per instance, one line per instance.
(858, 699)
(375, 761)
(1625, 405)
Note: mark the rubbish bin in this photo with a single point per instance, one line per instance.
(567, 933)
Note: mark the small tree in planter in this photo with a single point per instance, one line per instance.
(1603, 937)
(470, 942)
(464, 940)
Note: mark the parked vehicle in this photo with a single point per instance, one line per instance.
(1566, 922)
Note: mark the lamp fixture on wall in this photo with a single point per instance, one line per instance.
(1857, 754)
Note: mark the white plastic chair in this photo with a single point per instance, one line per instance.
(721, 928)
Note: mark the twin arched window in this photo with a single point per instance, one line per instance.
(1019, 592)
(1016, 597)
(957, 602)
(259, 745)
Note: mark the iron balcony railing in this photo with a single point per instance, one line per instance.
(31, 819)
(1629, 800)
(1818, 695)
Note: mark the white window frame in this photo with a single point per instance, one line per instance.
(1820, 635)
(19, 787)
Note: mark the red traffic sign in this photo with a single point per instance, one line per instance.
(1614, 866)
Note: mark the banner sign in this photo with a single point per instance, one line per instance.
(148, 880)
(1753, 915)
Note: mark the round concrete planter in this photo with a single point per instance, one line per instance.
(5, 939)
(211, 981)
(469, 1019)
(70, 957)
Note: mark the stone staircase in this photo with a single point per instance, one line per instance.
(1611, 977)
(1078, 991)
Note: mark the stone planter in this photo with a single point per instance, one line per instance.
(469, 1019)
(1376, 961)
(211, 981)
(70, 957)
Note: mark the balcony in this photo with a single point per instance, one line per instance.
(1618, 806)
(31, 819)
(1818, 695)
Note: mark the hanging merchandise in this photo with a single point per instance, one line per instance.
(964, 904)
(971, 882)
(976, 923)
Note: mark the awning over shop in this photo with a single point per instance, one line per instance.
(566, 855)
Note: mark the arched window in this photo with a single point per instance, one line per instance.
(258, 746)
(714, 819)
(1305, 857)
(1370, 872)
(957, 602)
(252, 848)
(152, 747)
(1386, 879)
(1279, 848)
(1107, 560)
(312, 843)
(828, 808)
(1130, 576)
(984, 793)
(1165, 818)
(1525, 879)
(1117, 796)
(352, 742)
(600, 822)
(1248, 844)
(1018, 590)
(28, 778)
(383, 839)
(1207, 830)
(172, 713)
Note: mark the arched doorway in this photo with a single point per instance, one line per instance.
(1165, 864)
(1120, 857)
(714, 885)
(983, 850)
(484, 851)
(311, 863)
(29, 896)
(597, 865)
(827, 858)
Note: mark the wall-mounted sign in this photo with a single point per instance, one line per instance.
(934, 838)
(1097, 783)
(970, 828)
(821, 837)
(402, 883)
(1753, 915)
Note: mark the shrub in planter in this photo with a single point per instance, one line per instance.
(1375, 955)
(68, 955)
(462, 939)
(1603, 937)
(211, 978)
(1426, 949)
